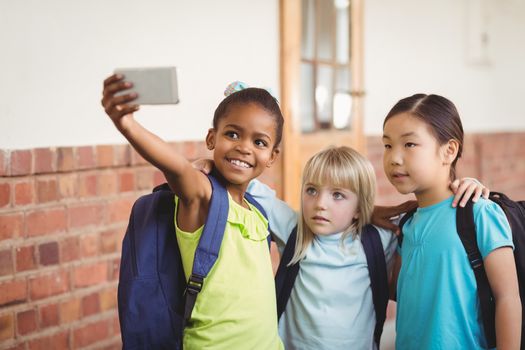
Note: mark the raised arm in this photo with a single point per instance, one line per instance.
(190, 185)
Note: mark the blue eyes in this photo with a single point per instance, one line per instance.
(338, 195)
(311, 191)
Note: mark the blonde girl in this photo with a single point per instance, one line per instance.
(330, 305)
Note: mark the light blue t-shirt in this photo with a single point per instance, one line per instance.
(331, 305)
(437, 302)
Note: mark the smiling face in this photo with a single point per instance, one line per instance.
(413, 160)
(243, 143)
(327, 209)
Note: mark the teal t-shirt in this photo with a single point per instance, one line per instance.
(437, 302)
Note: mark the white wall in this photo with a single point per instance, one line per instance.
(56, 53)
(421, 46)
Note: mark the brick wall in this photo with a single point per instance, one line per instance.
(63, 213)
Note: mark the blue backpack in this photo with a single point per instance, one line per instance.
(154, 299)
(375, 258)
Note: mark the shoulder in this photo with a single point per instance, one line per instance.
(485, 209)
(493, 229)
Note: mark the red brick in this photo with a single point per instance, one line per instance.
(26, 321)
(21, 162)
(49, 315)
(24, 192)
(13, 292)
(90, 334)
(7, 327)
(110, 241)
(70, 311)
(116, 326)
(69, 249)
(85, 215)
(57, 341)
(119, 210)
(144, 179)
(116, 346)
(19, 346)
(137, 159)
(25, 258)
(122, 155)
(104, 156)
(65, 159)
(190, 149)
(48, 253)
(67, 185)
(114, 269)
(11, 225)
(87, 185)
(5, 194)
(158, 178)
(6, 262)
(90, 304)
(48, 285)
(107, 183)
(3, 163)
(88, 275)
(126, 181)
(46, 221)
(89, 245)
(46, 190)
(108, 299)
(45, 160)
(85, 157)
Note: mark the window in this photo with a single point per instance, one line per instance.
(325, 68)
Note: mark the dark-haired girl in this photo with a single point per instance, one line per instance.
(438, 306)
(236, 306)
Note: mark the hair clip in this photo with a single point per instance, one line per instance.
(239, 85)
(234, 87)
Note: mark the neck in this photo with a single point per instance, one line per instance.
(237, 193)
(433, 196)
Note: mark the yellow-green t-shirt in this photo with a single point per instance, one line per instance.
(236, 308)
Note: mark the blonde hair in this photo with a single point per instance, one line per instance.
(341, 167)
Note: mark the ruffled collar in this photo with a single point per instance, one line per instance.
(250, 222)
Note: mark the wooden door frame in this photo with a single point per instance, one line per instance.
(290, 51)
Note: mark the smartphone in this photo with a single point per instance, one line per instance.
(154, 85)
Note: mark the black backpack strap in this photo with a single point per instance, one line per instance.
(466, 228)
(375, 258)
(209, 245)
(286, 275)
(402, 222)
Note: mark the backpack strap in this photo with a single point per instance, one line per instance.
(402, 222)
(256, 204)
(209, 245)
(375, 258)
(466, 228)
(286, 275)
